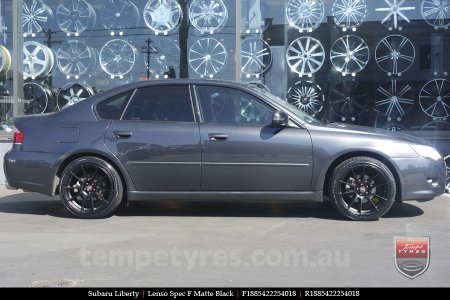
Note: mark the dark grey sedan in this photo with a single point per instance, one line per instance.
(213, 140)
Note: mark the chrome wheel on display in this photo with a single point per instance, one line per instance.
(349, 55)
(5, 107)
(305, 56)
(435, 98)
(396, 13)
(256, 56)
(394, 100)
(117, 58)
(166, 54)
(362, 188)
(118, 15)
(305, 15)
(35, 15)
(90, 188)
(94, 68)
(208, 16)
(395, 54)
(306, 96)
(253, 112)
(73, 93)
(5, 61)
(162, 16)
(36, 98)
(436, 13)
(207, 57)
(436, 126)
(348, 100)
(38, 60)
(75, 16)
(349, 14)
(74, 59)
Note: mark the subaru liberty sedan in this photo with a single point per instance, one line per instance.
(213, 141)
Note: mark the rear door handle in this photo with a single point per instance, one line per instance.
(216, 137)
(122, 134)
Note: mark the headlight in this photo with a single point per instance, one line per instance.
(426, 151)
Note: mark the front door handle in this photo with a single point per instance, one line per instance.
(122, 134)
(216, 137)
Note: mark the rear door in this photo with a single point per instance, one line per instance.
(158, 141)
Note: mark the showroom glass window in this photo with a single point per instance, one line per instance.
(381, 64)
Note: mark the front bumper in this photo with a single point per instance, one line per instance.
(421, 178)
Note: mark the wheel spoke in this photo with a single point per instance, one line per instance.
(84, 203)
(101, 198)
(347, 193)
(382, 198)
(92, 203)
(373, 204)
(78, 178)
(351, 203)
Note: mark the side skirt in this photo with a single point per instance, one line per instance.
(316, 196)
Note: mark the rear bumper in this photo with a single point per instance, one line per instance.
(30, 171)
(421, 178)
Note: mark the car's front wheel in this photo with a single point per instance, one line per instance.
(90, 188)
(362, 188)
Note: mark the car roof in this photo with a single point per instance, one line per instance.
(140, 84)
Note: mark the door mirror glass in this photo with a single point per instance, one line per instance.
(280, 118)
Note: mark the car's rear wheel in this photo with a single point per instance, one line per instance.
(362, 188)
(90, 188)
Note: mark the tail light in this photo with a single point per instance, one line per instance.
(18, 136)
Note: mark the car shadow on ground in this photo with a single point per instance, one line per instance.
(34, 204)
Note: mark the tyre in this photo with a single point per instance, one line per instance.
(362, 188)
(90, 188)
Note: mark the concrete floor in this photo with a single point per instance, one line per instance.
(211, 244)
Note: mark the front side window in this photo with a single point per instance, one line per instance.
(169, 103)
(221, 105)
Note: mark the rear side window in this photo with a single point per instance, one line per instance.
(112, 108)
(165, 103)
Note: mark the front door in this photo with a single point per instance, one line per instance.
(242, 151)
(158, 140)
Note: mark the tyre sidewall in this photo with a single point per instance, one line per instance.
(116, 182)
(343, 169)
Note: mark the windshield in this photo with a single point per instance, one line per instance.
(289, 107)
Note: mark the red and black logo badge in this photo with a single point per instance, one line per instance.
(412, 255)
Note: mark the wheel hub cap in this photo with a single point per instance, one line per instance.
(362, 189)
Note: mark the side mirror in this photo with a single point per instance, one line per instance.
(280, 118)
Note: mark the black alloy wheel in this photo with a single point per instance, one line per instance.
(90, 188)
(362, 188)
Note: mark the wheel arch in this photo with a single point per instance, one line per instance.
(124, 176)
(380, 157)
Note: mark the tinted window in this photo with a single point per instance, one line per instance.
(226, 105)
(112, 108)
(170, 103)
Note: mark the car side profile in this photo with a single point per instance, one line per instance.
(213, 140)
